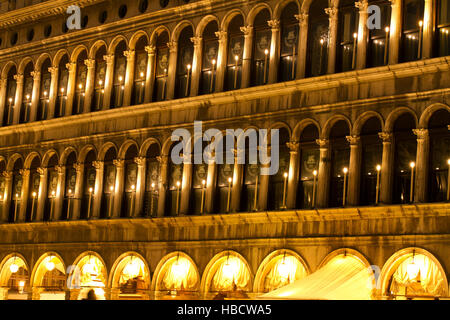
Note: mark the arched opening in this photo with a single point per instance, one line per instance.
(277, 195)
(439, 164)
(184, 64)
(289, 42)
(443, 27)
(209, 60)
(28, 81)
(14, 279)
(347, 29)
(63, 80)
(309, 167)
(120, 68)
(44, 92)
(251, 171)
(2, 187)
(33, 192)
(52, 189)
(69, 189)
(109, 184)
(140, 71)
(11, 85)
(317, 52)
(152, 181)
(99, 84)
(130, 183)
(89, 274)
(90, 175)
(378, 46)
(162, 66)
(235, 53)
(175, 181)
(16, 193)
(404, 158)
(225, 171)
(199, 178)
(80, 83)
(261, 48)
(372, 153)
(50, 278)
(340, 160)
(412, 30)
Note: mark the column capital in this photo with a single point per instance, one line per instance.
(97, 164)
(173, 46)
(119, 163)
(41, 171)
(362, 5)
(78, 166)
(164, 159)
(394, 2)
(129, 54)
(302, 18)
(293, 146)
(53, 70)
(71, 66)
(274, 24)
(386, 136)
(19, 78)
(24, 172)
(3, 82)
(140, 161)
(247, 30)
(332, 12)
(36, 75)
(109, 58)
(421, 134)
(7, 174)
(90, 63)
(197, 41)
(323, 143)
(60, 169)
(221, 34)
(353, 140)
(151, 50)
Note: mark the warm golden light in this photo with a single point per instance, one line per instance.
(14, 268)
(378, 167)
(420, 23)
(153, 185)
(53, 193)
(189, 67)
(236, 58)
(178, 183)
(412, 269)
(386, 29)
(90, 190)
(45, 93)
(133, 187)
(230, 180)
(214, 61)
(50, 265)
(80, 86)
(62, 90)
(142, 74)
(34, 194)
(203, 182)
(132, 268)
(285, 175)
(230, 269)
(266, 52)
(355, 35)
(111, 188)
(412, 165)
(100, 82)
(448, 162)
(315, 172)
(345, 170)
(120, 78)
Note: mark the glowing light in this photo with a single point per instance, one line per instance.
(34, 194)
(420, 23)
(214, 61)
(45, 93)
(315, 172)
(378, 167)
(153, 185)
(90, 190)
(133, 187)
(355, 35)
(62, 90)
(21, 284)
(10, 99)
(180, 268)
(413, 270)
(80, 86)
(14, 268)
(230, 180)
(28, 97)
(100, 82)
(178, 183)
(50, 265)
(120, 78)
(285, 175)
(89, 267)
(236, 58)
(142, 74)
(189, 67)
(230, 269)
(132, 268)
(386, 29)
(266, 52)
(53, 193)
(412, 165)
(345, 170)
(448, 162)
(111, 188)
(321, 41)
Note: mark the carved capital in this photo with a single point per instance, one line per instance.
(162, 160)
(119, 163)
(302, 18)
(151, 50)
(222, 35)
(53, 70)
(3, 82)
(109, 58)
(90, 63)
(332, 13)
(247, 30)
(353, 140)
(79, 166)
(97, 164)
(274, 24)
(7, 174)
(197, 41)
(18, 78)
(323, 143)
(362, 5)
(173, 46)
(41, 171)
(140, 161)
(293, 146)
(129, 54)
(36, 75)
(60, 169)
(421, 134)
(385, 136)
(24, 172)
(71, 66)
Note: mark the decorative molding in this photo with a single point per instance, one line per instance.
(18, 77)
(323, 143)
(140, 161)
(109, 58)
(173, 46)
(90, 63)
(97, 164)
(247, 30)
(41, 171)
(222, 35)
(119, 163)
(274, 24)
(71, 66)
(163, 160)
(129, 54)
(36, 75)
(362, 5)
(197, 41)
(151, 50)
(293, 146)
(421, 134)
(53, 70)
(24, 172)
(386, 136)
(302, 18)
(332, 13)
(79, 166)
(353, 140)
(60, 169)
(7, 174)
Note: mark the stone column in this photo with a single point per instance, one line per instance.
(22, 214)
(18, 97)
(332, 38)
(354, 171)
(395, 31)
(422, 160)
(323, 180)
(247, 56)
(222, 58)
(129, 77)
(302, 44)
(78, 192)
(162, 188)
(54, 71)
(3, 98)
(118, 189)
(151, 73)
(274, 59)
(109, 77)
(7, 196)
(98, 190)
(72, 67)
(427, 40)
(236, 188)
(60, 192)
(263, 189)
(210, 187)
(140, 185)
(186, 186)
(293, 174)
(35, 95)
(196, 65)
(363, 34)
(42, 194)
(90, 85)
(387, 166)
(171, 72)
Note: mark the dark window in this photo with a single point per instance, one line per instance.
(235, 54)
(209, 63)
(347, 36)
(443, 27)
(103, 16)
(412, 31)
(30, 34)
(14, 38)
(64, 27)
(184, 65)
(143, 5)
(289, 43)
(378, 47)
(122, 11)
(84, 21)
(261, 48)
(163, 3)
(317, 57)
(47, 31)
(162, 65)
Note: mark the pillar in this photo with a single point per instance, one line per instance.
(354, 171)
(263, 189)
(395, 31)
(97, 197)
(129, 77)
(18, 98)
(332, 38)
(210, 187)
(140, 186)
(54, 71)
(162, 188)
(42, 194)
(72, 67)
(274, 59)
(90, 85)
(293, 174)
(427, 40)
(323, 179)
(3, 98)
(196, 65)
(302, 44)
(236, 188)
(186, 186)
(422, 157)
(7, 196)
(78, 192)
(222, 59)
(151, 73)
(118, 188)
(60, 192)
(247, 56)
(171, 72)
(387, 165)
(35, 95)
(363, 34)
(21, 215)
(108, 80)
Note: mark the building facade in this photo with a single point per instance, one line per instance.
(90, 196)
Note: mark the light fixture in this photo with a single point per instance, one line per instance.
(285, 174)
(90, 190)
(412, 165)
(420, 23)
(386, 29)
(230, 180)
(283, 268)
(355, 35)
(378, 167)
(50, 265)
(89, 267)
(345, 170)
(412, 269)
(132, 268)
(203, 182)
(189, 67)
(14, 267)
(178, 183)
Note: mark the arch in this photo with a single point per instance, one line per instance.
(6, 68)
(345, 252)
(229, 17)
(279, 125)
(77, 51)
(305, 5)
(147, 143)
(179, 27)
(163, 263)
(105, 147)
(392, 117)
(86, 280)
(84, 151)
(67, 151)
(298, 130)
(23, 64)
(166, 146)
(391, 265)
(281, 4)
(124, 148)
(361, 120)
(36, 276)
(7, 261)
(30, 157)
(95, 47)
(254, 12)
(115, 42)
(266, 265)
(135, 38)
(48, 155)
(158, 31)
(118, 266)
(330, 123)
(59, 55)
(204, 22)
(40, 61)
(429, 111)
(12, 160)
(215, 263)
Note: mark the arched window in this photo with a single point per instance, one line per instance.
(69, 190)
(209, 60)
(28, 81)
(52, 188)
(80, 84)
(278, 182)
(309, 166)
(184, 64)
(99, 84)
(2, 186)
(89, 185)
(405, 154)
(412, 31)
(443, 27)
(8, 114)
(340, 159)
(33, 192)
(251, 172)
(235, 53)
(152, 182)
(130, 183)
(289, 42)
(372, 152)
(162, 65)
(347, 35)
(120, 68)
(44, 92)
(140, 72)
(378, 47)
(199, 178)
(16, 191)
(63, 80)
(109, 184)
(261, 48)
(175, 181)
(317, 53)
(225, 172)
(439, 155)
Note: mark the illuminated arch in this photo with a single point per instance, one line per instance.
(59, 55)
(7, 67)
(29, 159)
(95, 47)
(50, 262)
(48, 155)
(180, 26)
(115, 42)
(84, 152)
(12, 161)
(146, 145)
(89, 273)
(204, 22)
(24, 63)
(229, 17)
(158, 31)
(104, 149)
(77, 51)
(40, 61)
(14, 264)
(66, 153)
(125, 146)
